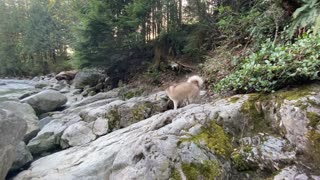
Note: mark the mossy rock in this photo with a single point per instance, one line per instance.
(295, 93)
(252, 109)
(114, 118)
(140, 112)
(128, 94)
(313, 149)
(238, 160)
(215, 139)
(313, 144)
(234, 99)
(209, 170)
(314, 119)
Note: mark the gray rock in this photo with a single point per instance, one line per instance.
(37, 78)
(138, 139)
(100, 127)
(264, 153)
(28, 94)
(48, 139)
(294, 173)
(76, 91)
(85, 78)
(64, 90)
(46, 101)
(148, 149)
(77, 134)
(12, 130)
(41, 84)
(97, 97)
(26, 112)
(23, 157)
(45, 121)
(92, 93)
(99, 86)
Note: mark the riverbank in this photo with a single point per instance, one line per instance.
(93, 132)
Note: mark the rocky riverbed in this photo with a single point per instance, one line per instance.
(56, 131)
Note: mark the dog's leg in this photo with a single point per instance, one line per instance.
(175, 105)
(188, 101)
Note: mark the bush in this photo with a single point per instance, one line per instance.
(276, 66)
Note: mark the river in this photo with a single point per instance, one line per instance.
(11, 89)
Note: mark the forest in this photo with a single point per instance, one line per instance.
(238, 45)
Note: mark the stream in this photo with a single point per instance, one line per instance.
(11, 89)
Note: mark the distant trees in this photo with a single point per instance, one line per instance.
(118, 27)
(34, 36)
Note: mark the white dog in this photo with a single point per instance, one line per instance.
(189, 91)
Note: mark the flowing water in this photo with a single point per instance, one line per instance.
(11, 89)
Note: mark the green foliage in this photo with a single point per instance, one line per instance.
(198, 39)
(275, 66)
(239, 29)
(307, 16)
(255, 24)
(34, 37)
(111, 29)
(239, 162)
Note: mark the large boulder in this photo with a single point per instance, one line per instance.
(48, 139)
(91, 118)
(158, 148)
(87, 78)
(23, 157)
(78, 134)
(250, 136)
(66, 75)
(26, 112)
(12, 130)
(101, 96)
(46, 101)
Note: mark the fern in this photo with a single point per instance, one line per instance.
(306, 16)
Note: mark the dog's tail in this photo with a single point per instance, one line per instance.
(196, 80)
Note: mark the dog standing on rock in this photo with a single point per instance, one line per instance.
(189, 91)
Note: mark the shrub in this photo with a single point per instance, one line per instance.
(275, 66)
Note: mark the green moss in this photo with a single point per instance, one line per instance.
(209, 170)
(234, 99)
(114, 118)
(294, 94)
(252, 108)
(302, 105)
(314, 103)
(215, 138)
(175, 175)
(239, 162)
(314, 119)
(247, 149)
(128, 94)
(313, 144)
(138, 113)
(313, 148)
